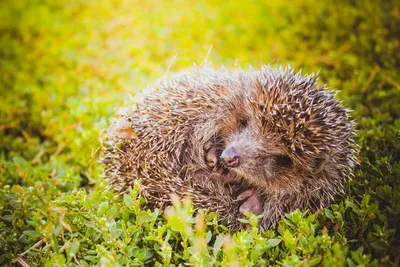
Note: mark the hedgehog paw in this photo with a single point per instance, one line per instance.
(251, 202)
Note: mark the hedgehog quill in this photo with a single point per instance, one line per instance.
(267, 141)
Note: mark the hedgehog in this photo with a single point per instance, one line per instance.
(265, 140)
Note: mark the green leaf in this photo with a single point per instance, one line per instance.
(128, 201)
(208, 236)
(218, 245)
(380, 245)
(103, 207)
(32, 233)
(112, 212)
(273, 242)
(22, 163)
(143, 254)
(329, 214)
(143, 217)
(73, 248)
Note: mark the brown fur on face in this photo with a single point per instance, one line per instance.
(293, 139)
(264, 160)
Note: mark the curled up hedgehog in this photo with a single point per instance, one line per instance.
(267, 141)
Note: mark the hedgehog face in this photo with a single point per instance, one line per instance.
(256, 154)
(258, 158)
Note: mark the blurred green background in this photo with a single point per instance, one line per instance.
(66, 66)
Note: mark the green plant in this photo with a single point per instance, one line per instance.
(66, 65)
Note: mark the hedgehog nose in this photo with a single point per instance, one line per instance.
(230, 157)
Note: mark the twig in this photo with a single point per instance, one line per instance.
(21, 261)
(19, 256)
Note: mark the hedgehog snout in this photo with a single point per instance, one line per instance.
(230, 157)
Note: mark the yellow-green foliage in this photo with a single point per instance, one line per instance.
(65, 66)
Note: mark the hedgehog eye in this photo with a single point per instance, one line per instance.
(207, 145)
(284, 161)
(243, 123)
